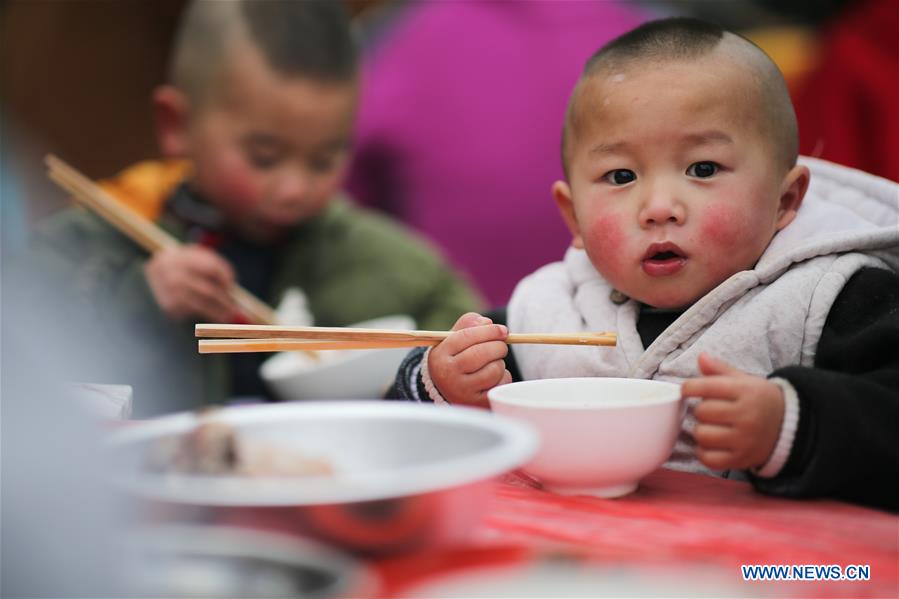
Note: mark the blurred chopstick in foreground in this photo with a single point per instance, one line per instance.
(257, 338)
(142, 231)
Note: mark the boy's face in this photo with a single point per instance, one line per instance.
(673, 185)
(269, 150)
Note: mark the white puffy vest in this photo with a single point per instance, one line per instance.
(760, 320)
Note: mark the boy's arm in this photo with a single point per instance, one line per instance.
(348, 253)
(408, 385)
(845, 444)
(450, 296)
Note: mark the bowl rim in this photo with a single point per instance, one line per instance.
(503, 393)
(518, 442)
(347, 357)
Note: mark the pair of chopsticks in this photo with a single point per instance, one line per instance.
(259, 338)
(140, 230)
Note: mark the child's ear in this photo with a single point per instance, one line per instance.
(170, 112)
(793, 190)
(562, 194)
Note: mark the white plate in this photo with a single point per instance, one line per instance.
(377, 449)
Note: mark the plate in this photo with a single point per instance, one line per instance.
(403, 474)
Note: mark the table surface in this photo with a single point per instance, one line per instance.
(697, 526)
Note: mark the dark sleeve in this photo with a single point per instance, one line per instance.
(847, 441)
(408, 385)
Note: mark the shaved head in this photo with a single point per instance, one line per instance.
(681, 40)
(309, 38)
(206, 30)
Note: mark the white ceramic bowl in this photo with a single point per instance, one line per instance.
(351, 374)
(599, 436)
(405, 475)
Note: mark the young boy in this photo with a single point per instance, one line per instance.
(261, 105)
(683, 197)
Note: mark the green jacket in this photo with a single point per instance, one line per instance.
(352, 265)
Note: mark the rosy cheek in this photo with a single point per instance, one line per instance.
(605, 243)
(720, 226)
(235, 185)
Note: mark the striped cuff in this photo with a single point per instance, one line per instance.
(784, 445)
(413, 388)
(433, 393)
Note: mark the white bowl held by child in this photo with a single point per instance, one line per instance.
(599, 436)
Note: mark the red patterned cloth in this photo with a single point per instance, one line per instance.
(675, 522)
(848, 106)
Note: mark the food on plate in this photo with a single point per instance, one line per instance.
(214, 448)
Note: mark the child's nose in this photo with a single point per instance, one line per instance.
(293, 185)
(660, 207)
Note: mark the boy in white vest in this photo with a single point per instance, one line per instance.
(694, 238)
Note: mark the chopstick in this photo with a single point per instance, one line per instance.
(259, 338)
(228, 346)
(140, 230)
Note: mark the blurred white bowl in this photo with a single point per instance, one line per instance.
(350, 374)
(404, 475)
(599, 436)
(231, 563)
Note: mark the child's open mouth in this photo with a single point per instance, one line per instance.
(663, 259)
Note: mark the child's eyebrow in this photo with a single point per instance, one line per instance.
(263, 139)
(267, 140)
(708, 137)
(604, 148)
(694, 139)
(335, 145)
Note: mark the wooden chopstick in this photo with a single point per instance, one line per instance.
(228, 346)
(142, 231)
(249, 338)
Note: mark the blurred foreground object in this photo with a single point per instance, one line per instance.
(61, 520)
(111, 402)
(222, 562)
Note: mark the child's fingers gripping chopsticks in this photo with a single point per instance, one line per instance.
(192, 281)
(469, 359)
(471, 329)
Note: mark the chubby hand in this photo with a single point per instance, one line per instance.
(192, 280)
(739, 417)
(469, 362)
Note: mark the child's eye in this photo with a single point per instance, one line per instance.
(263, 161)
(702, 170)
(322, 164)
(620, 176)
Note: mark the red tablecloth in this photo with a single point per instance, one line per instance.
(675, 521)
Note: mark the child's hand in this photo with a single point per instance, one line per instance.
(739, 417)
(469, 362)
(192, 281)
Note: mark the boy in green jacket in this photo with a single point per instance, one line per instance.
(255, 125)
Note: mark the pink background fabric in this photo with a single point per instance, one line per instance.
(460, 126)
